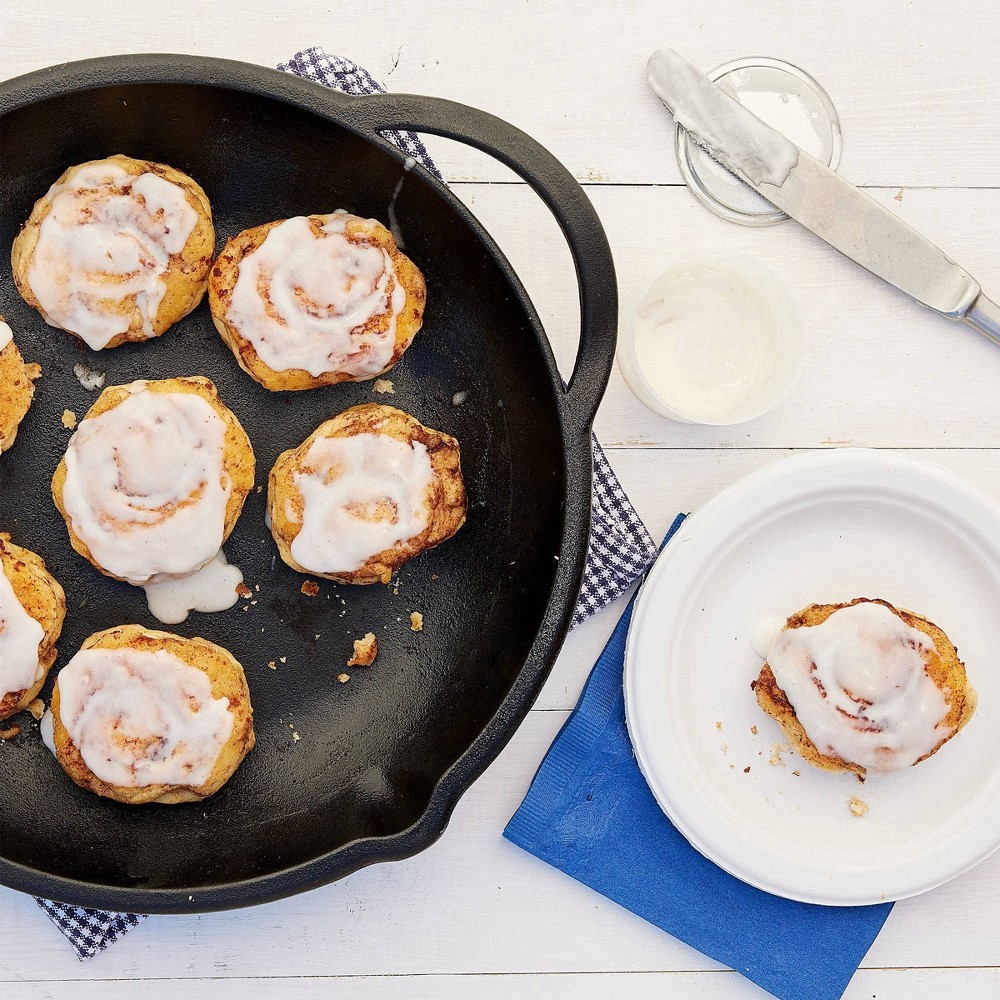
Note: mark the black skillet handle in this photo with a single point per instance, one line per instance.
(595, 269)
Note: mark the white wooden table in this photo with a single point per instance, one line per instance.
(919, 101)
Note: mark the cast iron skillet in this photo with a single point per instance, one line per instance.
(380, 761)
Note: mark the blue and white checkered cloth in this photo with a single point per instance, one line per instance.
(620, 548)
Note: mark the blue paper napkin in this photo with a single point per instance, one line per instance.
(590, 813)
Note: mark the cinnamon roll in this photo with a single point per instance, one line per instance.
(117, 250)
(307, 302)
(141, 716)
(365, 492)
(16, 386)
(32, 609)
(154, 479)
(864, 686)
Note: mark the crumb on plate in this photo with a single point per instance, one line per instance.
(857, 806)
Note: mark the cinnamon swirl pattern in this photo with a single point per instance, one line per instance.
(141, 716)
(16, 386)
(154, 479)
(864, 687)
(365, 492)
(117, 250)
(308, 302)
(32, 609)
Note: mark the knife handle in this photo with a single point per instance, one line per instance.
(984, 316)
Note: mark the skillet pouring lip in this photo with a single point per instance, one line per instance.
(574, 424)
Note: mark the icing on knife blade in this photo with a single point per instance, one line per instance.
(734, 136)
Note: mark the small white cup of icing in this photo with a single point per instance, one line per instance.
(716, 340)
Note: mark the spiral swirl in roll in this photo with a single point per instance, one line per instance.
(868, 687)
(17, 387)
(143, 716)
(366, 491)
(153, 479)
(116, 250)
(32, 609)
(318, 300)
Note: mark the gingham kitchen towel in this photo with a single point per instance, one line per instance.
(620, 547)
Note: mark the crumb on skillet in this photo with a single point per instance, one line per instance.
(365, 651)
(69, 420)
(416, 621)
(10, 732)
(383, 385)
(310, 588)
(89, 378)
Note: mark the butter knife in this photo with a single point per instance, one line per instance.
(818, 197)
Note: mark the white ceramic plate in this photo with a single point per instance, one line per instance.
(820, 528)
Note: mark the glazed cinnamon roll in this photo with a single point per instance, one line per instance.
(141, 716)
(32, 609)
(864, 686)
(16, 386)
(365, 492)
(313, 301)
(117, 250)
(154, 479)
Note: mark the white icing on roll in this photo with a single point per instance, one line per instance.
(142, 717)
(108, 236)
(212, 588)
(361, 495)
(146, 488)
(302, 300)
(46, 731)
(6, 335)
(20, 637)
(859, 687)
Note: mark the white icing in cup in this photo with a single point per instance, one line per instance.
(361, 495)
(108, 237)
(212, 588)
(859, 687)
(142, 717)
(302, 299)
(716, 340)
(6, 335)
(20, 637)
(146, 487)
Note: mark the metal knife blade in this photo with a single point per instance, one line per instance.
(816, 196)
